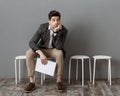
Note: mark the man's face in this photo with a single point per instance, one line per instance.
(54, 21)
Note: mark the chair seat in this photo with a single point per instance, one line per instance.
(20, 57)
(79, 57)
(101, 57)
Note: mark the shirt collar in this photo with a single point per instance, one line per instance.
(49, 28)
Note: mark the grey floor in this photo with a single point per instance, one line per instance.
(101, 88)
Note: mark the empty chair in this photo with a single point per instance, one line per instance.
(100, 57)
(82, 58)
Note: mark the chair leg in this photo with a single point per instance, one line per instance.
(109, 62)
(69, 71)
(82, 72)
(41, 79)
(108, 71)
(77, 70)
(90, 69)
(15, 71)
(44, 77)
(94, 71)
(19, 70)
(34, 77)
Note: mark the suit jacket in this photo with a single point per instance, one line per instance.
(42, 37)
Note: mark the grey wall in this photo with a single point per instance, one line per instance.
(93, 26)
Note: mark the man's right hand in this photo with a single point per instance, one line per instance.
(43, 58)
(57, 28)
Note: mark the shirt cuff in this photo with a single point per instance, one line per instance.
(36, 51)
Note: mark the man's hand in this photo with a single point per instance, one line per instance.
(58, 28)
(43, 58)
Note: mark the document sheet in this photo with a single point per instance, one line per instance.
(48, 69)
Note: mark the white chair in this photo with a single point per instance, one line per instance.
(18, 71)
(19, 58)
(82, 58)
(100, 57)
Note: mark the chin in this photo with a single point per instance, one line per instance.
(54, 26)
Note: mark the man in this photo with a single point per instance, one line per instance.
(47, 42)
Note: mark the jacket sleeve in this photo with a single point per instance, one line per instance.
(33, 42)
(59, 39)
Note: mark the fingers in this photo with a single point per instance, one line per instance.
(60, 26)
(44, 61)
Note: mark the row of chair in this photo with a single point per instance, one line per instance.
(82, 58)
(77, 57)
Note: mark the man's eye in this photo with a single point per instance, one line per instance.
(53, 20)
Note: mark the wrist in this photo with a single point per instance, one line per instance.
(38, 51)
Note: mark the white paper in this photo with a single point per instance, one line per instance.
(48, 69)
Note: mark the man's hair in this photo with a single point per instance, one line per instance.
(54, 13)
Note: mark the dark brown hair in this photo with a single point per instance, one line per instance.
(54, 13)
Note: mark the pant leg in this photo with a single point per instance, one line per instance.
(58, 55)
(30, 62)
(54, 53)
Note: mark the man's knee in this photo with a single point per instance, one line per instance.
(59, 53)
(29, 53)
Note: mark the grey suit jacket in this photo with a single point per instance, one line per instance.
(42, 37)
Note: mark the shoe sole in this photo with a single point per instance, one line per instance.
(60, 91)
(29, 91)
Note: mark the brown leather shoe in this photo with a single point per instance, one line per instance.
(30, 87)
(60, 87)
